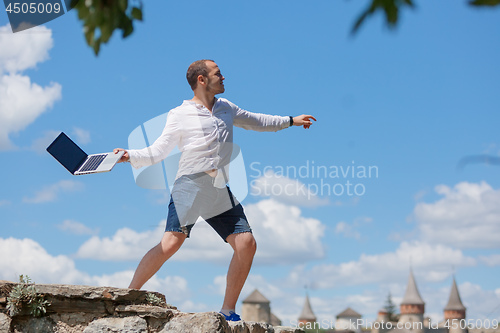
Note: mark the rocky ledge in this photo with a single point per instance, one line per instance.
(75, 309)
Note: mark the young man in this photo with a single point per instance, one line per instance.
(202, 128)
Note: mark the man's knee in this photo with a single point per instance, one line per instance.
(252, 244)
(171, 242)
(245, 242)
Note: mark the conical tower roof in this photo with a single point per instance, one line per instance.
(454, 302)
(349, 312)
(412, 296)
(256, 297)
(307, 312)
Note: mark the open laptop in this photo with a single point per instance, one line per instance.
(77, 161)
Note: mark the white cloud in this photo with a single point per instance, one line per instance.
(81, 136)
(174, 287)
(268, 289)
(419, 195)
(40, 145)
(347, 230)
(468, 216)
(282, 234)
(23, 50)
(492, 149)
(76, 228)
(21, 101)
(190, 306)
(50, 193)
(25, 256)
(125, 244)
(5, 202)
(350, 230)
(286, 190)
(491, 260)
(480, 303)
(432, 262)
(119, 279)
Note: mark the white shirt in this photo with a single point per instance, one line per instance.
(203, 137)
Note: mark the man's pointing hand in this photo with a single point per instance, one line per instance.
(303, 120)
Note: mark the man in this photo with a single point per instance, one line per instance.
(202, 128)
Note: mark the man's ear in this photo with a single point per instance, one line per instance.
(202, 80)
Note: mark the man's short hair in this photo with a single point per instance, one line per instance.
(199, 67)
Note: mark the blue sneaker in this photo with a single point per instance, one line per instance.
(232, 316)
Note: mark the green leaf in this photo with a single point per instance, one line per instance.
(89, 34)
(122, 5)
(73, 3)
(389, 7)
(484, 3)
(359, 22)
(97, 46)
(391, 13)
(128, 28)
(106, 32)
(137, 13)
(107, 16)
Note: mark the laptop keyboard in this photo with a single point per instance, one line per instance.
(93, 162)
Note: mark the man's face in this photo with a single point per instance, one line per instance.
(215, 79)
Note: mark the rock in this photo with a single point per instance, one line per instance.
(4, 323)
(121, 295)
(284, 329)
(118, 325)
(34, 325)
(74, 322)
(77, 309)
(254, 327)
(238, 327)
(205, 322)
(5, 288)
(145, 311)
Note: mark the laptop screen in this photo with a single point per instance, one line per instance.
(67, 152)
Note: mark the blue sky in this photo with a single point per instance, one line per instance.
(411, 103)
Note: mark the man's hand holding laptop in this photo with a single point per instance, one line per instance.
(125, 157)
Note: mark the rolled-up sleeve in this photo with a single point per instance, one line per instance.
(258, 121)
(160, 149)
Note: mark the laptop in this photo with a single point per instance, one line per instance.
(76, 161)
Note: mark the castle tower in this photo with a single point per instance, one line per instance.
(348, 320)
(382, 317)
(256, 308)
(307, 314)
(454, 311)
(412, 307)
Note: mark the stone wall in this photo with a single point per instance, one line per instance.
(77, 309)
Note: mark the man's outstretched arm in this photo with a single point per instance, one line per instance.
(267, 123)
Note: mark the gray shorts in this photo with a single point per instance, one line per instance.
(194, 196)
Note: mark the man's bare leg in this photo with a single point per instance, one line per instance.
(244, 247)
(156, 257)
